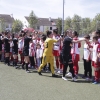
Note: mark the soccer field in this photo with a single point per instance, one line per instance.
(19, 85)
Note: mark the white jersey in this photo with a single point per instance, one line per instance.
(31, 50)
(87, 52)
(35, 42)
(42, 45)
(56, 45)
(75, 48)
(11, 45)
(2, 47)
(95, 49)
(39, 53)
(20, 44)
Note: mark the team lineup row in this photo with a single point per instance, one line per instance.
(37, 50)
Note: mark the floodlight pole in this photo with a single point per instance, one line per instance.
(63, 19)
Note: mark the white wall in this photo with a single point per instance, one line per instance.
(44, 28)
(8, 26)
(25, 23)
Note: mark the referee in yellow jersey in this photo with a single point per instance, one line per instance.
(48, 53)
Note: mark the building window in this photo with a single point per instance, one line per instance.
(10, 26)
(7, 26)
(50, 28)
(38, 27)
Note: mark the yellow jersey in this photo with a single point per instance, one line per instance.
(48, 47)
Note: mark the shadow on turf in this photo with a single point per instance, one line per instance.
(34, 71)
(53, 77)
(81, 81)
(80, 76)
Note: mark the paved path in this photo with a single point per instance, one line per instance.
(19, 85)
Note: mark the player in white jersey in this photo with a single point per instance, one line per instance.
(98, 34)
(56, 49)
(20, 47)
(75, 53)
(39, 53)
(87, 57)
(42, 40)
(96, 58)
(32, 54)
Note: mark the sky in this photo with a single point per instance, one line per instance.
(49, 8)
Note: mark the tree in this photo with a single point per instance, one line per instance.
(59, 25)
(46, 28)
(67, 23)
(95, 24)
(33, 20)
(2, 25)
(17, 26)
(86, 25)
(76, 23)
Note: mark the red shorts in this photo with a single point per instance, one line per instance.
(92, 63)
(55, 52)
(11, 53)
(76, 57)
(20, 52)
(95, 64)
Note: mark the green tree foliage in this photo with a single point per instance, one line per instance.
(76, 23)
(86, 25)
(2, 25)
(59, 25)
(17, 26)
(82, 25)
(68, 22)
(95, 24)
(46, 28)
(32, 20)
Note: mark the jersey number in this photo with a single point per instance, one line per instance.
(46, 45)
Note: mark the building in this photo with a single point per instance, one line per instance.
(6, 22)
(43, 24)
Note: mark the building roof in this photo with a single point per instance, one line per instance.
(43, 21)
(7, 18)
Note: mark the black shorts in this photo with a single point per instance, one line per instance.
(26, 53)
(61, 58)
(0, 49)
(15, 52)
(7, 51)
(65, 59)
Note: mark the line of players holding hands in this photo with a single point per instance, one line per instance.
(39, 50)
